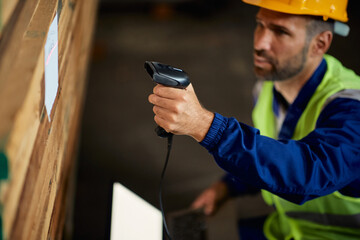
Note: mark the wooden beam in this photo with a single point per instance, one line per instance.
(41, 152)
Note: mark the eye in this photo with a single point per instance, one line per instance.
(259, 24)
(280, 32)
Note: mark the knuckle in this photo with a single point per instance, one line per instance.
(183, 97)
(178, 108)
(173, 118)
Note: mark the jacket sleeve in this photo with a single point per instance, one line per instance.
(326, 160)
(236, 187)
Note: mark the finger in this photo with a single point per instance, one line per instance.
(199, 203)
(204, 199)
(168, 104)
(208, 206)
(162, 123)
(163, 113)
(168, 92)
(209, 209)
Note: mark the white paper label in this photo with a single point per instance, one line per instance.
(51, 66)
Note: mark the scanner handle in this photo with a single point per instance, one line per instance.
(168, 76)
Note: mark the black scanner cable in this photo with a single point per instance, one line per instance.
(169, 145)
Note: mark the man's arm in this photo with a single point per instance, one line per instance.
(325, 161)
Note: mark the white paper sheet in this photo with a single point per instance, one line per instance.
(132, 218)
(51, 66)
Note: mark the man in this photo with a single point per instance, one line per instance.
(306, 156)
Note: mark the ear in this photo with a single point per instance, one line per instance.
(321, 43)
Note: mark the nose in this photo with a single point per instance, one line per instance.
(262, 39)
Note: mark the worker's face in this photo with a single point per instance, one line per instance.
(280, 46)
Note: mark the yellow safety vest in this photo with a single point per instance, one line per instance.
(334, 216)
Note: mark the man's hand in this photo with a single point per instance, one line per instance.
(212, 198)
(178, 111)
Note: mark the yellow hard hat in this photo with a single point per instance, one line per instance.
(334, 9)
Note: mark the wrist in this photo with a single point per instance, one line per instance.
(205, 121)
(221, 190)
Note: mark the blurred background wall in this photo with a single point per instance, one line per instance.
(210, 40)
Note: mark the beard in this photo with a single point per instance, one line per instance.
(279, 72)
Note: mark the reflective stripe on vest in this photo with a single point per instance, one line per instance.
(351, 221)
(347, 93)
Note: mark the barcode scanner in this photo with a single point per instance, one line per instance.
(168, 76)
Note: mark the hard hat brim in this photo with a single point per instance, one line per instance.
(298, 10)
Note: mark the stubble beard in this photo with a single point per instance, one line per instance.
(290, 68)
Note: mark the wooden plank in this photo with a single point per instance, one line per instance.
(40, 152)
(24, 92)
